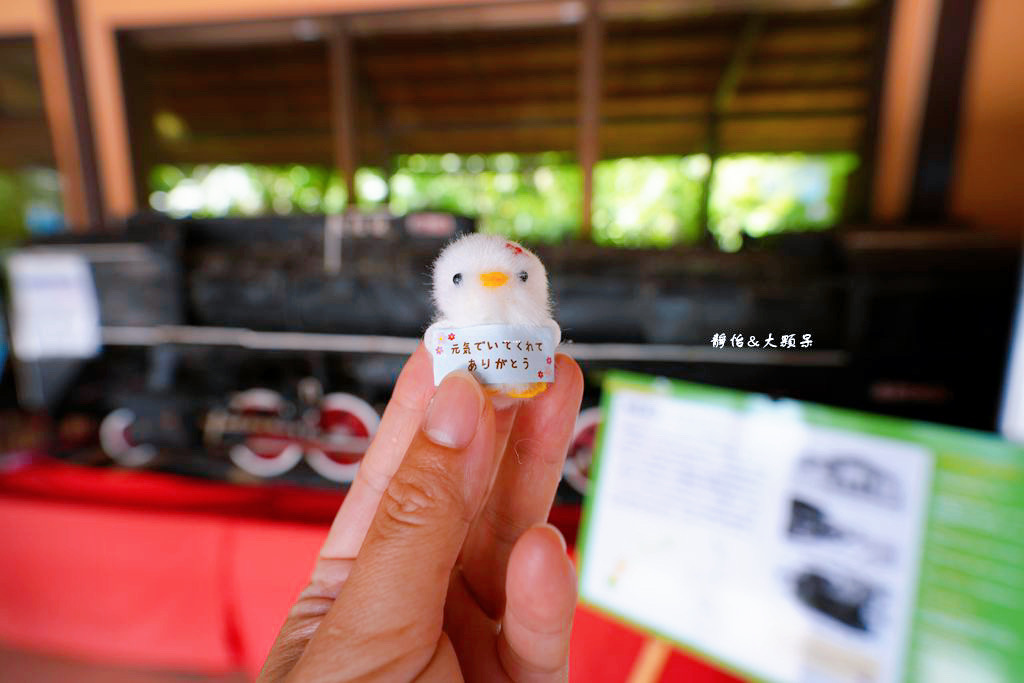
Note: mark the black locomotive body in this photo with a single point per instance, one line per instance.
(230, 342)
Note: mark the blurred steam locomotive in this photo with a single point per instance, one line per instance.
(261, 431)
(271, 345)
(172, 391)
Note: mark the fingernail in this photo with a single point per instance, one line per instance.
(454, 412)
(558, 533)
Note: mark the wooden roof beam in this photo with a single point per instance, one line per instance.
(343, 106)
(724, 91)
(590, 82)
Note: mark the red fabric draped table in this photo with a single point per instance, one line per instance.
(167, 572)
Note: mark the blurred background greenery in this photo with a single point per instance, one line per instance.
(29, 203)
(638, 201)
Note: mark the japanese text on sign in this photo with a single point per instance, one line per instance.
(495, 354)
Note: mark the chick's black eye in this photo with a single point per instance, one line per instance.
(457, 278)
(523, 275)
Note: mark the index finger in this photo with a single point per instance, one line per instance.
(525, 485)
(398, 426)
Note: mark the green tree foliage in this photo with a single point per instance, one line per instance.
(638, 202)
(765, 194)
(532, 198)
(29, 202)
(216, 190)
(648, 201)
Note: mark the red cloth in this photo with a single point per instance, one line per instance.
(156, 571)
(114, 586)
(270, 564)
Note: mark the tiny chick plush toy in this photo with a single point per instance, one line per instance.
(493, 317)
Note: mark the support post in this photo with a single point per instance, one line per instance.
(589, 118)
(343, 106)
(728, 82)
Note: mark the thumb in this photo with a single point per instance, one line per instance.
(390, 611)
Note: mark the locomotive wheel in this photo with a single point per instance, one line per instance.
(263, 455)
(581, 450)
(342, 415)
(115, 439)
(285, 457)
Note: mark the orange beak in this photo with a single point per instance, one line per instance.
(494, 279)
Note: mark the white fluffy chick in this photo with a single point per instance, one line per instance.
(487, 279)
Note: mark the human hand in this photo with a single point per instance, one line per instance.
(438, 565)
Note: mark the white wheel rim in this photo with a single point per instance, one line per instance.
(257, 399)
(573, 473)
(246, 459)
(116, 444)
(319, 461)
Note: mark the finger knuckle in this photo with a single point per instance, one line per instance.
(506, 528)
(419, 497)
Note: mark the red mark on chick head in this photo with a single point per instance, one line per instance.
(514, 247)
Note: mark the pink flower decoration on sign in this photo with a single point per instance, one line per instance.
(438, 350)
(549, 360)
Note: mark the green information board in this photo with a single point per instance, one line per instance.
(789, 541)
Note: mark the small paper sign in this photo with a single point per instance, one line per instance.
(54, 312)
(495, 354)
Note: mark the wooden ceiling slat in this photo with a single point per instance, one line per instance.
(469, 141)
(805, 87)
(24, 132)
(617, 81)
(227, 120)
(529, 112)
(807, 133)
(468, 77)
(677, 50)
(512, 113)
(660, 138)
(649, 29)
(442, 41)
(259, 75)
(210, 134)
(664, 130)
(471, 90)
(798, 41)
(660, 81)
(242, 103)
(234, 57)
(20, 96)
(496, 58)
(798, 100)
(20, 90)
(226, 81)
(252, 64)
(800, 75)
(26, 142)
(304, 147)
(780, 75)
(656, 105)
(829, 17)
